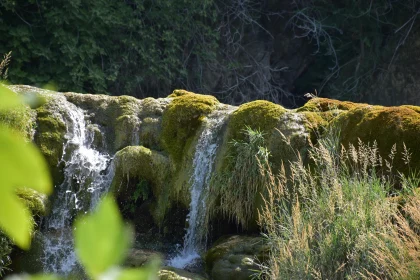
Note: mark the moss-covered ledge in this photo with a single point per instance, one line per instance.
(182, 119)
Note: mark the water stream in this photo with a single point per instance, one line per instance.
(205, 153)
(87, 175)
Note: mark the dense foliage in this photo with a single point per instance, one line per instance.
(104, 45)
(236, 50)
(356, 42)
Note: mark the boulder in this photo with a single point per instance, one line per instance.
(235, 257)
(140, 257)
(170, 273)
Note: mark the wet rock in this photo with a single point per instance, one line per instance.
(140, 257)
(170, 273)
(235, 257)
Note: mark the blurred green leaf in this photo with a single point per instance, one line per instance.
(21, 165)
(101, 238)
(8, 99)
(145, 273)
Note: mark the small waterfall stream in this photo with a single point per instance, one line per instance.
(205, 153)
(87, 175)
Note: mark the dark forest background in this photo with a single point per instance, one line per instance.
(237, 50)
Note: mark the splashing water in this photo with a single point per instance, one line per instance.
(86, 178)
(204, 157)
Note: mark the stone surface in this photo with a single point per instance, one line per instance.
(140, 257)
(170, 273)
(235, 257)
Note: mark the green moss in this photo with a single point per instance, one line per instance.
(179, 92)
(20, 119)
(258, 115)
(386, 125)
(138, 162)
(119, 115)
(150, 132)
(181, 120)
(35, 201)
(325, 104)
(49, 137)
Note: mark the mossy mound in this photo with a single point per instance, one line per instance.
(182, 119)
(318, 104)
(387, 126)
(258, 115)
(138, 163)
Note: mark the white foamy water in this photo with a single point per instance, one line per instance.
(86, 178)
(205, 153)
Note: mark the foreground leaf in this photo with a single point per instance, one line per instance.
(101, 238)
(8, 99)
(21, 165)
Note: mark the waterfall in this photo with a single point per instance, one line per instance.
(87, 175)
(204, 157)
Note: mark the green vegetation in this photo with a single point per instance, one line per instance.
(324, 104)
(182, 119)
(101, 253)
(50, 135)
(337, 219)
(235, 191)
(20, 119)
(109, 46)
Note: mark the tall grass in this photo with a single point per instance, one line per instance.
(235, 190)
(339, 217)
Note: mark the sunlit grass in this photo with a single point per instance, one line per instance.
(340, 217)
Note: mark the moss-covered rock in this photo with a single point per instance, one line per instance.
(258, 115)
(235, 257)
(50, 135)
(118, 115)
(318, 104)
(387, 126)
(182, 119)
(140, 163)
(124, 119)
(140, 257)
(170, 273)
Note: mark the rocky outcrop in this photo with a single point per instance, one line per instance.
(154, 141)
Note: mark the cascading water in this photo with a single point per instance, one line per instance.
(204, 157)
(86, 178)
